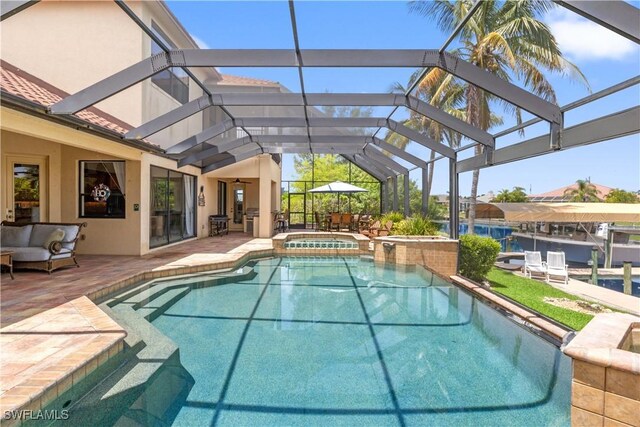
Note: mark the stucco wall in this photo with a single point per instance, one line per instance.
(72, 45)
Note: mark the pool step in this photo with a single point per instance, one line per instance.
(133, 341)
(150, 310)
(147, 296)
(139, 391)
(123, 297)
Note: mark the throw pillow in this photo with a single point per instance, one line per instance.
(56, 236)
(12, 236)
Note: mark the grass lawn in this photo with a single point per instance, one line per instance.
(531, 293)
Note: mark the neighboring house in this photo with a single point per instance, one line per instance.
(486, 198)
(56, 164)
(558, 195)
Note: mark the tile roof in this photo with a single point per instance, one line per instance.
(601, 191)
(18, 82)
(229, 80)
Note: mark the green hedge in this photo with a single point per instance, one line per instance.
(477, 256)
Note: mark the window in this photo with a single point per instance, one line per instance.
(173, 81)
(102, 189)
(172, 207)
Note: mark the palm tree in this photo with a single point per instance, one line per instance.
(507, 39)
(584, 191)
(448, 102)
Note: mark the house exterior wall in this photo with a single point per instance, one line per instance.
(64, 148)
(72, 45)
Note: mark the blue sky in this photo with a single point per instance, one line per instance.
(603, 57)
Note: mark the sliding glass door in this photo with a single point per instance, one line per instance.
(172, 213)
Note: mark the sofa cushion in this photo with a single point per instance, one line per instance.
(56, 235)
(42, 231)
(15, 236)
(28, 253)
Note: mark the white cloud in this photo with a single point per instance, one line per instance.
(580, 38)
(201, 43)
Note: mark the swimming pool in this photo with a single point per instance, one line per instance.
(341, 341)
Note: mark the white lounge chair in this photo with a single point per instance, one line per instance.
(556, 266)
(533, 264)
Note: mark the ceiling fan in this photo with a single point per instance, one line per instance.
(237, 181)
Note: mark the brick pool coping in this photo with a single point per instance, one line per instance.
(530, 317)
(44, 355)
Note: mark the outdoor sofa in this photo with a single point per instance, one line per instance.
(41, 245)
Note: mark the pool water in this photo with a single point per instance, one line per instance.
(340, 341)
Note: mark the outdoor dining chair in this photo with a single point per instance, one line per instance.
(335, 221)
(372, 230)
(345, 221)
(386, 230)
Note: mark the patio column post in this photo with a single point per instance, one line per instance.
(454, 208)
(394, 180)
(425, 194)
(407, 201)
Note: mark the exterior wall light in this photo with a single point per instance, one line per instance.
(201, 201)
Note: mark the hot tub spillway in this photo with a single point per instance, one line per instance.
(321, 244)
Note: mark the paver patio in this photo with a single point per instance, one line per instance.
(35, 291)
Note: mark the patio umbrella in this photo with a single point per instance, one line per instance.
(338, 187)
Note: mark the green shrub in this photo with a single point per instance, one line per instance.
(417, 225)
(477, 256)
(396, 217)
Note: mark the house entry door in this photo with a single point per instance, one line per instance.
(27, 193)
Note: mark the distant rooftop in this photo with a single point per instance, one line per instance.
(229, 80)
(558, 195)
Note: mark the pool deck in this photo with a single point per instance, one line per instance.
(600, 295)
(53, 334)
